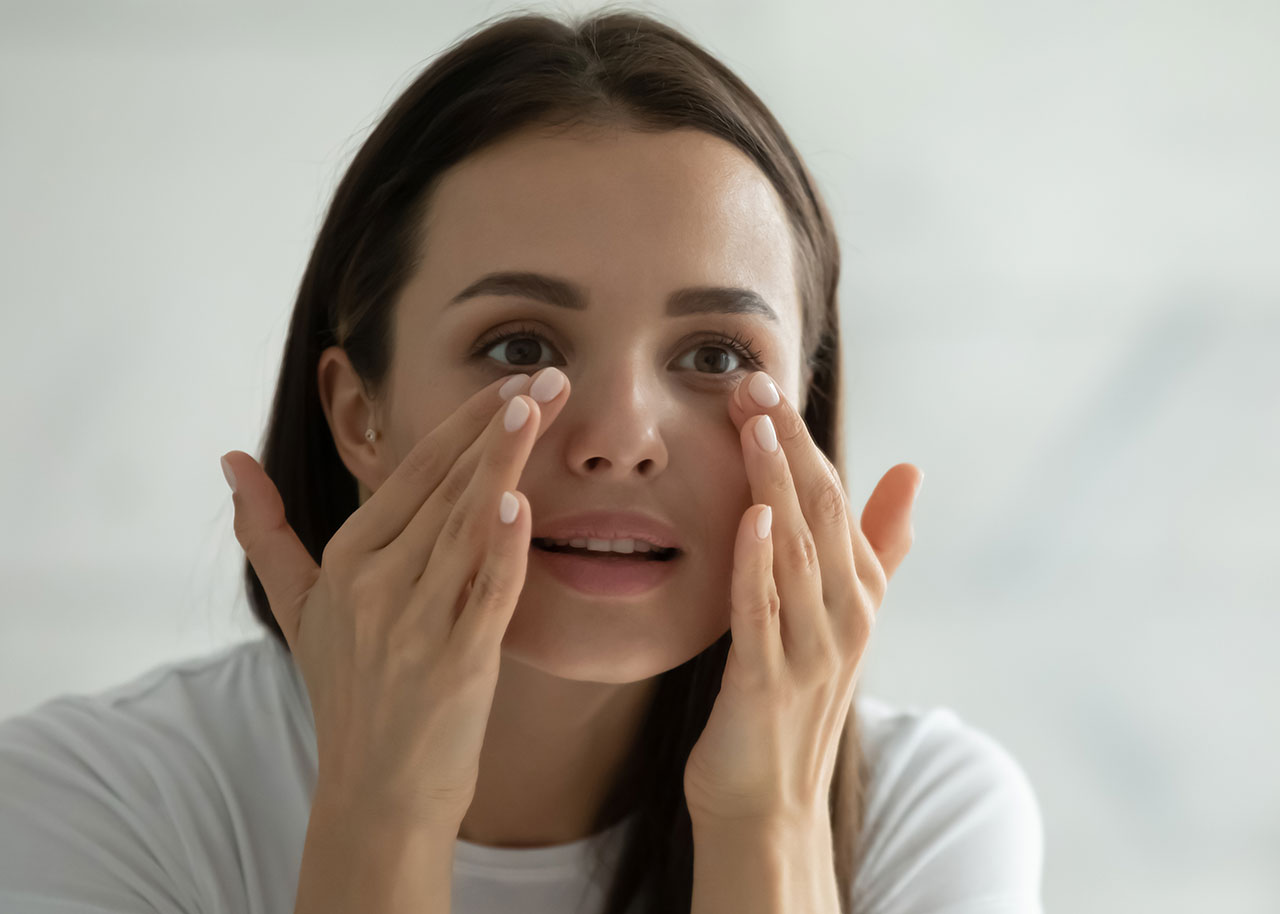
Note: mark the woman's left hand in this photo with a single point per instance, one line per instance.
(801, 619)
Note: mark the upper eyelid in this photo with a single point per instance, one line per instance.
(749, 334)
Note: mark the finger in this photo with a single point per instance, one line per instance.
(415, 544)
(819, 491)
(493, 595)
(753, 614)
(805, 628)
(395, 502)
(278, 557)
(467, 532)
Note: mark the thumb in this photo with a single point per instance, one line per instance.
(282, 563)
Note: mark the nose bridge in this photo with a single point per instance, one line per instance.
(621, 367)
(616, 409)
(622, 370)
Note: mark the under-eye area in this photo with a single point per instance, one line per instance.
(621, 549)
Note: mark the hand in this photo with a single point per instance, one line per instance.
(801, 619)
(399, 646)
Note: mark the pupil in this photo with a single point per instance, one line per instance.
(714, 362)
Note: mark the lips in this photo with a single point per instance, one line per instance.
(604, 576)
(609, 525)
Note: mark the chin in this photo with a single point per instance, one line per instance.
(604, 641)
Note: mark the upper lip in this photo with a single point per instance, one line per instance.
(609, 525)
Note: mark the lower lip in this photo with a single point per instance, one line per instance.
(605, 576)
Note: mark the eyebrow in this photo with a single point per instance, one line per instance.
(552, 290)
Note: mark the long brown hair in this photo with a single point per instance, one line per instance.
(612, 67)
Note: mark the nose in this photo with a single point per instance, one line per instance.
(613, 423)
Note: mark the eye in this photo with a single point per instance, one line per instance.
(494, 340)
(735, 345)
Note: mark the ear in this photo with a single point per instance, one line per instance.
(349, 413)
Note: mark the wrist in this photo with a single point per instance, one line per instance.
(764, 866)
(358, 858)
(382, 815)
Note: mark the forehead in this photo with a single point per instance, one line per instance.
(629, 216)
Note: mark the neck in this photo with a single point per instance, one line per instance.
(552, 751)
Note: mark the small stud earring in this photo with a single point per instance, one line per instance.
(370, 434)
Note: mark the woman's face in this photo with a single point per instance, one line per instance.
(628, 218)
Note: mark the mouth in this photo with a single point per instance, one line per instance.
(654, 553)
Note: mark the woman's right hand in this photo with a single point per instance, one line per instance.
(398, 646)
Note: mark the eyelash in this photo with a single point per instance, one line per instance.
(736, 344)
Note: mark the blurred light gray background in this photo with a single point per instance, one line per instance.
(1060, 293)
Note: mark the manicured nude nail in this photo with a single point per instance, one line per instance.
(518, 411)
(766, 437)
(547, 385)
(762, 390)
(514, 385)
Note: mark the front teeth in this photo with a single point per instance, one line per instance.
(624, 546)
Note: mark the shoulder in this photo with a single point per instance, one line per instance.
(128, 793)
(952, 823)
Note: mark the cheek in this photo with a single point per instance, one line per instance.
(720, 488)
(723, 467)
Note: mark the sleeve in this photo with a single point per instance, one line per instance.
(82, 830)
(952, 826)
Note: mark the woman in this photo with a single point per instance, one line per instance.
(465, 697)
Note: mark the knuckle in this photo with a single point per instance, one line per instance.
(457, 525)
(762, 610)
(489, 587)
(802, 550)
(832, 506)
(779, 487)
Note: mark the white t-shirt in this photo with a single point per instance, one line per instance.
(188, 789)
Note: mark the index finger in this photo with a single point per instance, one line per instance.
(395, 503)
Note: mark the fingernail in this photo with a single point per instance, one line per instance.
(764, 520)
(517, 414)
(765, 434)
(547, 385)
(514, 385)
(231, 477)
(508, 508)
(762, 390)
